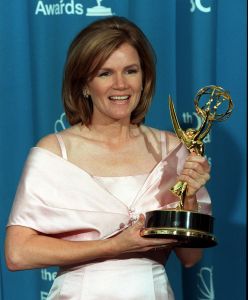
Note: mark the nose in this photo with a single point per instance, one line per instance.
(120, 82)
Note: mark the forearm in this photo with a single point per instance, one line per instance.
(189, 256)
(25, 248)
(37, 251)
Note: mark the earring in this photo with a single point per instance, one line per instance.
(85, 94)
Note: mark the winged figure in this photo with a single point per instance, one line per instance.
(192, 138)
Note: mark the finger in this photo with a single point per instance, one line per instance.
(166, 246)
(155, 242)
(140, 222)
(198, 159)
(195, 175)
(156, 247)
(198, 165)
(191, 174)
(193, 183)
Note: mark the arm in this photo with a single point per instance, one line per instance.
(188, 256)
(196, 174)
(25, 248)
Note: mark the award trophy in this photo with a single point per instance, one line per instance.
(191, 228)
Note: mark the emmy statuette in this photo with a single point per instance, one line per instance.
(191, 228)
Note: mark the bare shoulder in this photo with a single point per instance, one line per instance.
(171, 138)
(50, 143)
(152, 136)
(151, 132)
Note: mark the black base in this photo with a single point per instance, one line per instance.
(191, 229)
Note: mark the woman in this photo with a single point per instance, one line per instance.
(81, 200)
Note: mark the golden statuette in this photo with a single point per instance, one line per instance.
(192, 229)
(218, 107)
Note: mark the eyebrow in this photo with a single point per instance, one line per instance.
(126, 67)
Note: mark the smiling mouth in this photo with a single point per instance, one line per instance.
(119, 98)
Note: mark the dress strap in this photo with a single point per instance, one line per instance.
(62, 146)
(163, 143)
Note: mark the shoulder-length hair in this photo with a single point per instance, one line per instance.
(89, 51)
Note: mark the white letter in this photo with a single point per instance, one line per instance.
(193, 6)
(69, 8)
(50, 9)
(201, 7)
(60, 123)
(57, 9)
(207, 138)
(79, 9)
(198, 119)
(40, 8)
(62, 6)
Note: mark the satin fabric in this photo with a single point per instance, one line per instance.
(57, 198)
(116, 279)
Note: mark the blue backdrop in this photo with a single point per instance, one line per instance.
(198, 43)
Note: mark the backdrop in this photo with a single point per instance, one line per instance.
(198, 43)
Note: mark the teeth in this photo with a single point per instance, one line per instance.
(119, 97)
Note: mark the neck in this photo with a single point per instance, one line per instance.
(114, 133)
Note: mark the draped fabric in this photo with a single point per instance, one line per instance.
(42, 197)
(198, 43)
(84, 209)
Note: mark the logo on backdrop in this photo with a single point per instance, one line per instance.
(71, 7)
(205, 286)
(47, 276)
(99, 10)
(197, 4)
(60, 124)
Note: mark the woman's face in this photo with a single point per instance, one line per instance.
(115, 90)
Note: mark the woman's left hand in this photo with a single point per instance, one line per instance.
(196, 173)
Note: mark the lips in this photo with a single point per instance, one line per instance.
(119, 98)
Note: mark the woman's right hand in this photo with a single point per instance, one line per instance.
(130, 240)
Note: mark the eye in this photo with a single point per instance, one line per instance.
(132, 71)
(104, 73)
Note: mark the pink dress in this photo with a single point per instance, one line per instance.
(59, 199)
